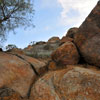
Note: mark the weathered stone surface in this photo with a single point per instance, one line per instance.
(15, 73)
(41, 50)
(87, 38)
(65, 39)
(54, 39)
(39, 66)
(75, 83)
(16, 51)
(71, 32)
(66, 54)
(9, 94)
(52, 65)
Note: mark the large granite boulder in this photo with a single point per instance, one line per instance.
(73, 83)
(87, 38)
(19, 72)
(66, 54)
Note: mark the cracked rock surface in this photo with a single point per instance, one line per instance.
(62, 78)
(73, 83)
(87, 38)
(17, 73)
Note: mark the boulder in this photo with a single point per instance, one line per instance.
(54, 40)
(15, 73)
(19, 72)
(65, 39)
(71, 32)
(66, 54)
(87, 38)
(38, 66)
(73, 83)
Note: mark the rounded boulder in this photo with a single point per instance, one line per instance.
(66, 54)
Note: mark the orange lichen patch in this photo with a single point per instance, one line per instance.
(52, 65)
(15, 73)
(71, 83)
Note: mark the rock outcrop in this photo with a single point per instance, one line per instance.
(66, 54)
(87, 38)
(43, 50)
(15, 51)
(18, 72)
(75, 83)
(54, 40)
(65, 39)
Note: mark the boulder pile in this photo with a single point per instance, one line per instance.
(72, 72)
(42, 50)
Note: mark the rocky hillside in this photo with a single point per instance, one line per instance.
(72, 73)
(42, 49)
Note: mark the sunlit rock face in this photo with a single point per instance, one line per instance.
(65, 39)
(54, 39)
(87, 38)
(75, 83)
(66, 54)
(18, 72)
(67, 74)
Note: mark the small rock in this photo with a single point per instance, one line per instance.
(65, 39)
(71, 32)
(54, 40)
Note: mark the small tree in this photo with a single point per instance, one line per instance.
(11, 46)
(13, 14)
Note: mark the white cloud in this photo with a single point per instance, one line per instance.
(82, 7)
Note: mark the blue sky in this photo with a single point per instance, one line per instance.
(52, 18)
